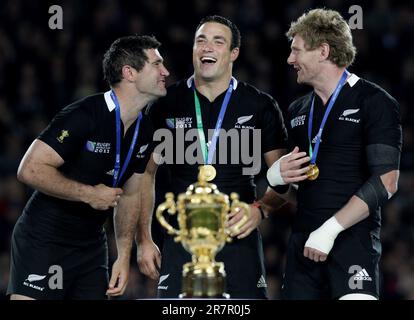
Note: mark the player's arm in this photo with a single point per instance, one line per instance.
(271, 200)
(261, 208)
(373, 194)
(39, 169)
(284, 173)
(148, 254)
(383, 136)
(125, 220)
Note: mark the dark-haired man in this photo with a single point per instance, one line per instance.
(200, 106)
(86, 163)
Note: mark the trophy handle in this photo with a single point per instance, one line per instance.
(169, 205)
(237, 204)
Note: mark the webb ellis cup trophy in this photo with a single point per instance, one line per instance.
(202, 214)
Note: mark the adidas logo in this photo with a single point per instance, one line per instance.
(262, 282)
(362, 275)
(315, 139)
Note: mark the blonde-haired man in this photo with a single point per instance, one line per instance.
(346, 135)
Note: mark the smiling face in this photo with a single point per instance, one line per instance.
(305, 61)
(151, 78)
(212, 57)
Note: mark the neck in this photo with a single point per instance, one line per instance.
(131, 103)
(212, 89)
(327, 81)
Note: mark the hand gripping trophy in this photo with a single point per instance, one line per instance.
(202, 214)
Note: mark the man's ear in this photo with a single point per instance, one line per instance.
(128, 73)
(234, 54)
(325, 49)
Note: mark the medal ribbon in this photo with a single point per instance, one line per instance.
(117, 175)
(313, 154)
(208, 155)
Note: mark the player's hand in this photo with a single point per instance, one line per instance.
(149, 259)
(314, 254)
(290, 166)
(321, 241)
(119, 277)
(103, 197)
(252, 222)
(318, 246)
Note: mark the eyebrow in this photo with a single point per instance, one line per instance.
(202, 36)
(157, 60)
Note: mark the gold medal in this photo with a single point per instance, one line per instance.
(313, 172)
(209, 172)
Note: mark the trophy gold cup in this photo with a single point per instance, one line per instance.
(202, 214)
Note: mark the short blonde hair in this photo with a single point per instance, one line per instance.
(325, 26)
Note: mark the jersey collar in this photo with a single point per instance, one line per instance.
(190, 81)
(352, 80)
(109, 102)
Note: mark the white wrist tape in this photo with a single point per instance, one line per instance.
(323, 238)
(273, 173)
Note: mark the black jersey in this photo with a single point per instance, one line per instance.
(248, 109)
(363, 114)
(84, 135)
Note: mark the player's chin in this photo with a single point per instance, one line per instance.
(160, 92)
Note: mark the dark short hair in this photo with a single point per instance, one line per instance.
(235, 33)
(126, 51)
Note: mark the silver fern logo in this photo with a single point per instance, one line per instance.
(346, 113)
(349, 111)
(35, 277)
(241, 121)
(141, 151)
(244, 119)
(162, 279)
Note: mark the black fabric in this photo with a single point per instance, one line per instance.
(362, 115)
(53, 231)
(84, 264)
(248, 109)
(373, 193)
(356, 253)
(281, 189)
(177, 111)
(382, 158)
(89, 154)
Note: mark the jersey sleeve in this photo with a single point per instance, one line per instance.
(382, 120)
(67, 133)
(274, 134)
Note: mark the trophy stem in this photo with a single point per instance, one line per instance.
(204, 280)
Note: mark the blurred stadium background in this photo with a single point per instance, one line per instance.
(42, 70)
